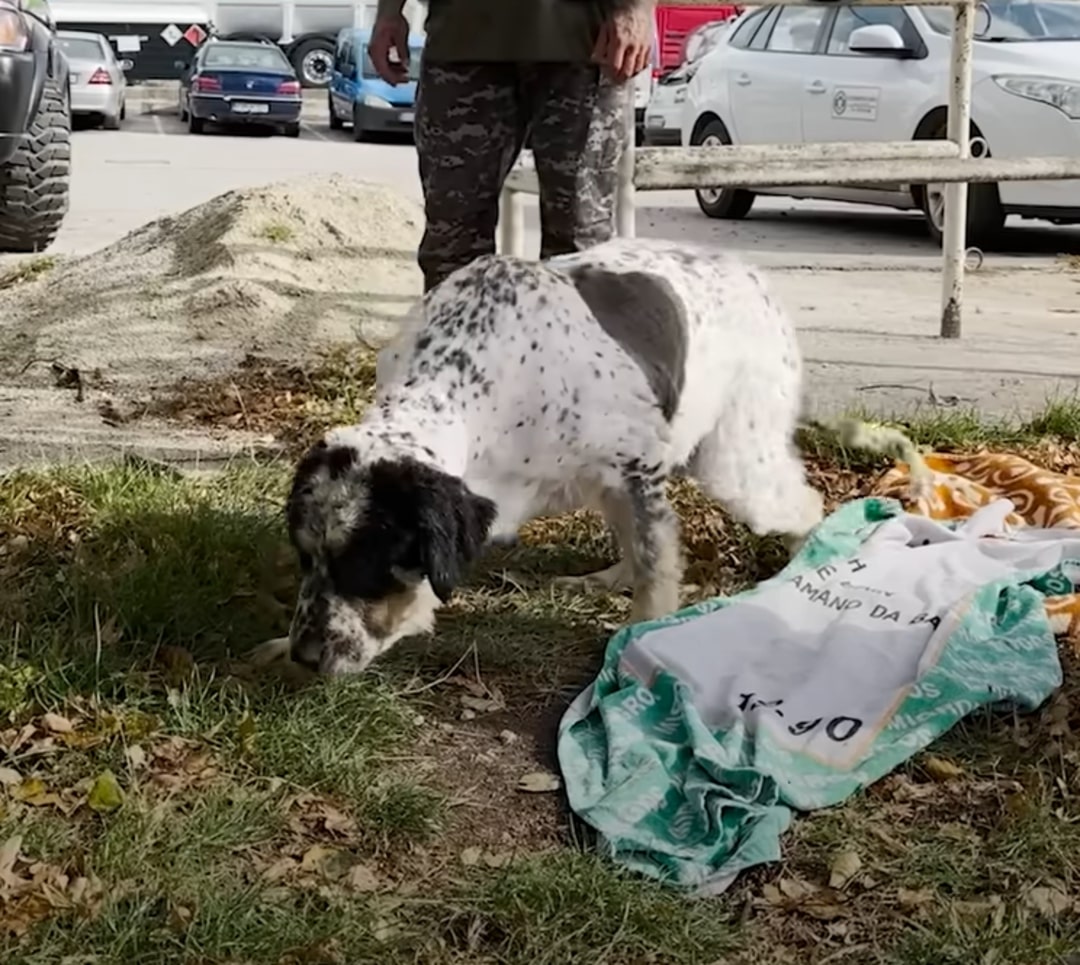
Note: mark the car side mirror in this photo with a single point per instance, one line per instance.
(126, 65)
(878, 38)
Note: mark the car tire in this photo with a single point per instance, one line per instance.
(985, 214)
(306, 58)
(111, 123)
(358, 132)
(731, 204)
(183, 111)
(123, 110)
(35, 182)
(335, 121)
(196, 125)
(292, 130)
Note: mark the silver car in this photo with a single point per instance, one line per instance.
(98, 85)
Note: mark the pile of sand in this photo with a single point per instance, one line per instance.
(282, 271)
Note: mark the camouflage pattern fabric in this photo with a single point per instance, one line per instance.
(471, 123)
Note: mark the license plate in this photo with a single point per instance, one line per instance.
(243, 108)
(406, 117)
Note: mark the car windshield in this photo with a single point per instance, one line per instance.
(260, 57)
(414, 65)
(80, 48)
(1003, 21)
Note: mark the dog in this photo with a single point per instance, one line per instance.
(523, 389)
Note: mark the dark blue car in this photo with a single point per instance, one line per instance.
(234, 82)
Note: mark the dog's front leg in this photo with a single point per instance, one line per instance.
(656, 550)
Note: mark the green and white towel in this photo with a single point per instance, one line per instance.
(706, 730)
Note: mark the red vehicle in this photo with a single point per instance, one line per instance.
(674, 23)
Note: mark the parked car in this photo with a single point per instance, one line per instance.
(232, 82)
(358, 96)
(663, 113)
(35, 127)
(865, 72)
(674, 26)
(98, 85)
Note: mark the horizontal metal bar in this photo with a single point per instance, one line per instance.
(816, 151)
(523, 180)
(708, 173)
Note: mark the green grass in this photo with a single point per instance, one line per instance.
(129, 596)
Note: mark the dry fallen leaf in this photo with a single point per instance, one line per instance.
(32, 791)
(1050, 902)
(844, 867)
(942, 770)
(482, 705)
(909, 898)
(470, 856)
(8, 775)
(795, 889)
(316, 856)
(136, 756)
(280, 869)
(539, 782)
(361, 878)
(56, 724)
(105, 795)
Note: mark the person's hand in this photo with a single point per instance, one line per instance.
(625, 42)
(391, 32)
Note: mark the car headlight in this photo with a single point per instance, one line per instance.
(370, 100)
(14, 34)
(1062, 94)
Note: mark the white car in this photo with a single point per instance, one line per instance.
(865, 72)
(98, 84)
(663, 113)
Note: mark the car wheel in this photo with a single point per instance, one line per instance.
(111, 123)
(292, 130)
(985, 215)
(183, 111)
(728, 203)
(358, 131)
(196, 125)
(34, 184)
(123, 110)
(313, 61)
(335, 121)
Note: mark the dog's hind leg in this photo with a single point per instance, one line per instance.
(750, 466)
(657, 555)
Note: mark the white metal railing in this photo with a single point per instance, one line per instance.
(947, 161)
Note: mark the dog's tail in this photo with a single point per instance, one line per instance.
(886, 440)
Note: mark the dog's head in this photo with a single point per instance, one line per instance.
(381, 544)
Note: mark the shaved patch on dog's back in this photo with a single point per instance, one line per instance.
(643, 313)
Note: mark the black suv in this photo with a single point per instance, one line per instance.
(35, 127)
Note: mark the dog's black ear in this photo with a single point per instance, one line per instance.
(443, 523)
(454, 524)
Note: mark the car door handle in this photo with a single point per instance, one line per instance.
(815, 87)
(742, 80)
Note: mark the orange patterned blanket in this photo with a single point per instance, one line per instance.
(961, 484)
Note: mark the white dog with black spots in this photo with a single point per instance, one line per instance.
(523, 389)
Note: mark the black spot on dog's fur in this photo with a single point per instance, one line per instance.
(645, 315)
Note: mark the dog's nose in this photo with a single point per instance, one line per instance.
(307, 654)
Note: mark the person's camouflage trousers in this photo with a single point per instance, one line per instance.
(471, 123)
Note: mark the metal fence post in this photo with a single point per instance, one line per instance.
(954, 242)
(512, 223)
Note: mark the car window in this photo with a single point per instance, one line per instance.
(345, 58)
(849, 19)
(81, 48)
(262, 57)
(744, 32)
(796, 30)
(762, 35)
(414, 66)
